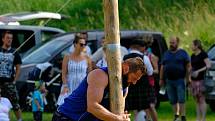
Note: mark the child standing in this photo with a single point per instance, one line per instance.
(37, 100)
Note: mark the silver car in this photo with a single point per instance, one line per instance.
(27, 36)
(209, 80)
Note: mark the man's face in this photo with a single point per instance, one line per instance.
(7, 40)
(142, 49)
(173, 44)
(133, 77)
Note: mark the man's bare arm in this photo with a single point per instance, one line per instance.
(64, 68)
(17, 72)
(161, 82)
(97, 82)
(188, 72)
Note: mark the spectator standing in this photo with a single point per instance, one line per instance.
(102, 62)
(90, 101)
(9, 59)
(5, 107)
(87, 49)
(175, 67)
(199, 63)
(99, 55)
(75, 67)
(138, 94)
(152, 96)
(37, 100)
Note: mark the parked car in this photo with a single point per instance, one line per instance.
(28, 35)
(209, 80)
(54, 49)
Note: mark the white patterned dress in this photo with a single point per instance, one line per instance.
(76, 73)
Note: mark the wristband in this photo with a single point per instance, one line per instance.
(64, 85)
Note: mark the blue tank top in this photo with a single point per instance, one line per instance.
(75, 105)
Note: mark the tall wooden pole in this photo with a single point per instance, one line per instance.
(112, 51)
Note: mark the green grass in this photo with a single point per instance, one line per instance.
(164, 113)
(28, 116)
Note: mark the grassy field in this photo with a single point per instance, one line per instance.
(164, 113)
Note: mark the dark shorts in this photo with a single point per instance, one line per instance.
(152, 98)
(176, 91)
(84, 117)
(37, 116)
(8, 90)
(59, 117)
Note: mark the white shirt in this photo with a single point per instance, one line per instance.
(5, 107)
(98, 55)
(146, 61)
(102, 63)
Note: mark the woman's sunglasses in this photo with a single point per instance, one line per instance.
(82, 45)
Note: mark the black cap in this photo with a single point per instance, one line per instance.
(138, 42)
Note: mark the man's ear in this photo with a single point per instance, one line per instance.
(125, 68)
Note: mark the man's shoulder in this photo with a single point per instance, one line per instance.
(5, 100)
(182, 51)
(98, 76)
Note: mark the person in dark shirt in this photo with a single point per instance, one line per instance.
(140, 95)
(199, 63)
(9, 59)
(175, 66)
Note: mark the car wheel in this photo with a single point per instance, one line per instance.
(212, 105)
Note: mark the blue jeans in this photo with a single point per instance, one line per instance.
(176, 91)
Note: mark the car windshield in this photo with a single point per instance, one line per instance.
(211, 54)
(46, 51)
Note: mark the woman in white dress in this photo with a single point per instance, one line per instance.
(75, 66)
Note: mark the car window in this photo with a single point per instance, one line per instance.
(58, 59)
(19, 37)
(47, 34)
(47, 51)
(211, 54)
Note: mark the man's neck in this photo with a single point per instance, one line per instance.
(174, 51)
(197, 52)
(6, 47)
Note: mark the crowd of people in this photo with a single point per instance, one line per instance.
(84, 95)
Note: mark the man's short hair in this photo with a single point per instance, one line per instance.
(139, 42)
(136, 64)
(175, 38)
(6, 32)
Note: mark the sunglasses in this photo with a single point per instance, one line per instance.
(82, 45)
